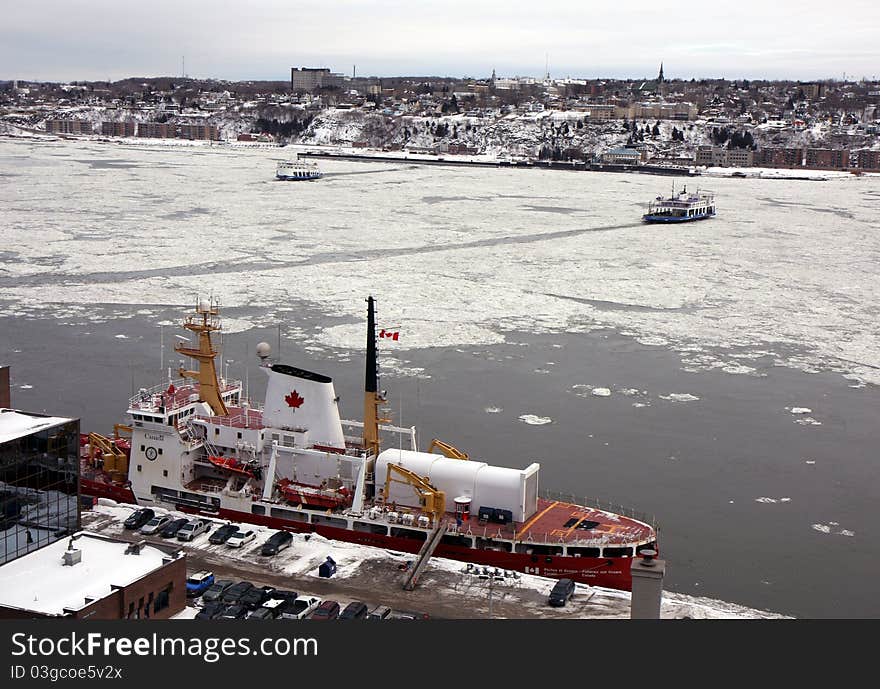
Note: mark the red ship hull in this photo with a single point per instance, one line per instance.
(113, 491)
(608, 572)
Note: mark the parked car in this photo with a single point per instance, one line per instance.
(271, 609)
(234, 593)
(255, 597)
(277, 542)
(138, 518)
(155, 524)
(193, 528)
(198, 583)
(240, 537)
(233, 612)
(264, 613)
(328, 610)
(284, 594)
(354, 611)
(171, 528)
(222, 534)
(380, 612)
(407, 615)
(216, 590)
(561, 592)
(302, 607)
(210, 611)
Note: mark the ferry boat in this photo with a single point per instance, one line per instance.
(681, 207)
(296, 169)
(200, 447)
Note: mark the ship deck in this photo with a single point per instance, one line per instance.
(561, 522)
(169, 397)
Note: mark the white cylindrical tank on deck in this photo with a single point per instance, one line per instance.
(296, 398)
(486, 485)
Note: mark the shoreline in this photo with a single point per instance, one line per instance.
(485, 161)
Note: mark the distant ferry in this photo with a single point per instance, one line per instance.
(296, 169)
(681, 207)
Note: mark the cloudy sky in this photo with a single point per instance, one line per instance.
(55, 40)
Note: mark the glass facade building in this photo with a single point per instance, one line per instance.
(39, 481)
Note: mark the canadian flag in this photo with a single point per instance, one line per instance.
(391, 334)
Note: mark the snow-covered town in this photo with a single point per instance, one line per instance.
(831, 125)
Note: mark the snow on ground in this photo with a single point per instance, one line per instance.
(457, 256)
(308, 551)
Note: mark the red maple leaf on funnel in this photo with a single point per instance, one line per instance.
(294, 400)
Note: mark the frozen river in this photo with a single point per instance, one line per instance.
(516, 294)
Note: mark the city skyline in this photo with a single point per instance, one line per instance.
(108, 41)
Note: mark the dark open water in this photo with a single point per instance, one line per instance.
(699, 466)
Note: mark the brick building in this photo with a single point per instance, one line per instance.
(118, 128)
(156, 130)
(68, 127)
(827, 158)
(91, 576)
(868, 160)
(205, 132)
(779, 157)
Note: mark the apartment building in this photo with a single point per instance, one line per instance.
(827, 158)
(868, 160)
(118, 128)
(68, 127)
(309, 78)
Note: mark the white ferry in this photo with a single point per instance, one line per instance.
(296, 169)
(681, 207)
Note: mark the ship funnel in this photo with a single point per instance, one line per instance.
(300, 399)
(372, 397)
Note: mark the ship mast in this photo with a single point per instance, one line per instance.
(204, 323)
(372, 397)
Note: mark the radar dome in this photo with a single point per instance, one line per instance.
(263, 350)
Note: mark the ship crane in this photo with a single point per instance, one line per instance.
(113, 458)
(449, 450)
(432, 500)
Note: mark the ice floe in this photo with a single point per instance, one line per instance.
(834, 529)
(679, 397)
(533, 420)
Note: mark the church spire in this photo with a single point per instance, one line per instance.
(660, 77)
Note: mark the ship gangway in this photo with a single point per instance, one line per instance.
(424, 555)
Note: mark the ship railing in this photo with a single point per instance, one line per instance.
(599, 504)
(237, 421)
(149, 395)
(399, 430)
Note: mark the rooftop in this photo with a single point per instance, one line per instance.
(41, 582)
(16, 424)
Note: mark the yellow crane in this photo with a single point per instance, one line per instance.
(113, 459)
(448, 450)
(432, 501)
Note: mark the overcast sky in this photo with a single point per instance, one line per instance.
(55, 40)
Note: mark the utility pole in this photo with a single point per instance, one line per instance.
(491, 585)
